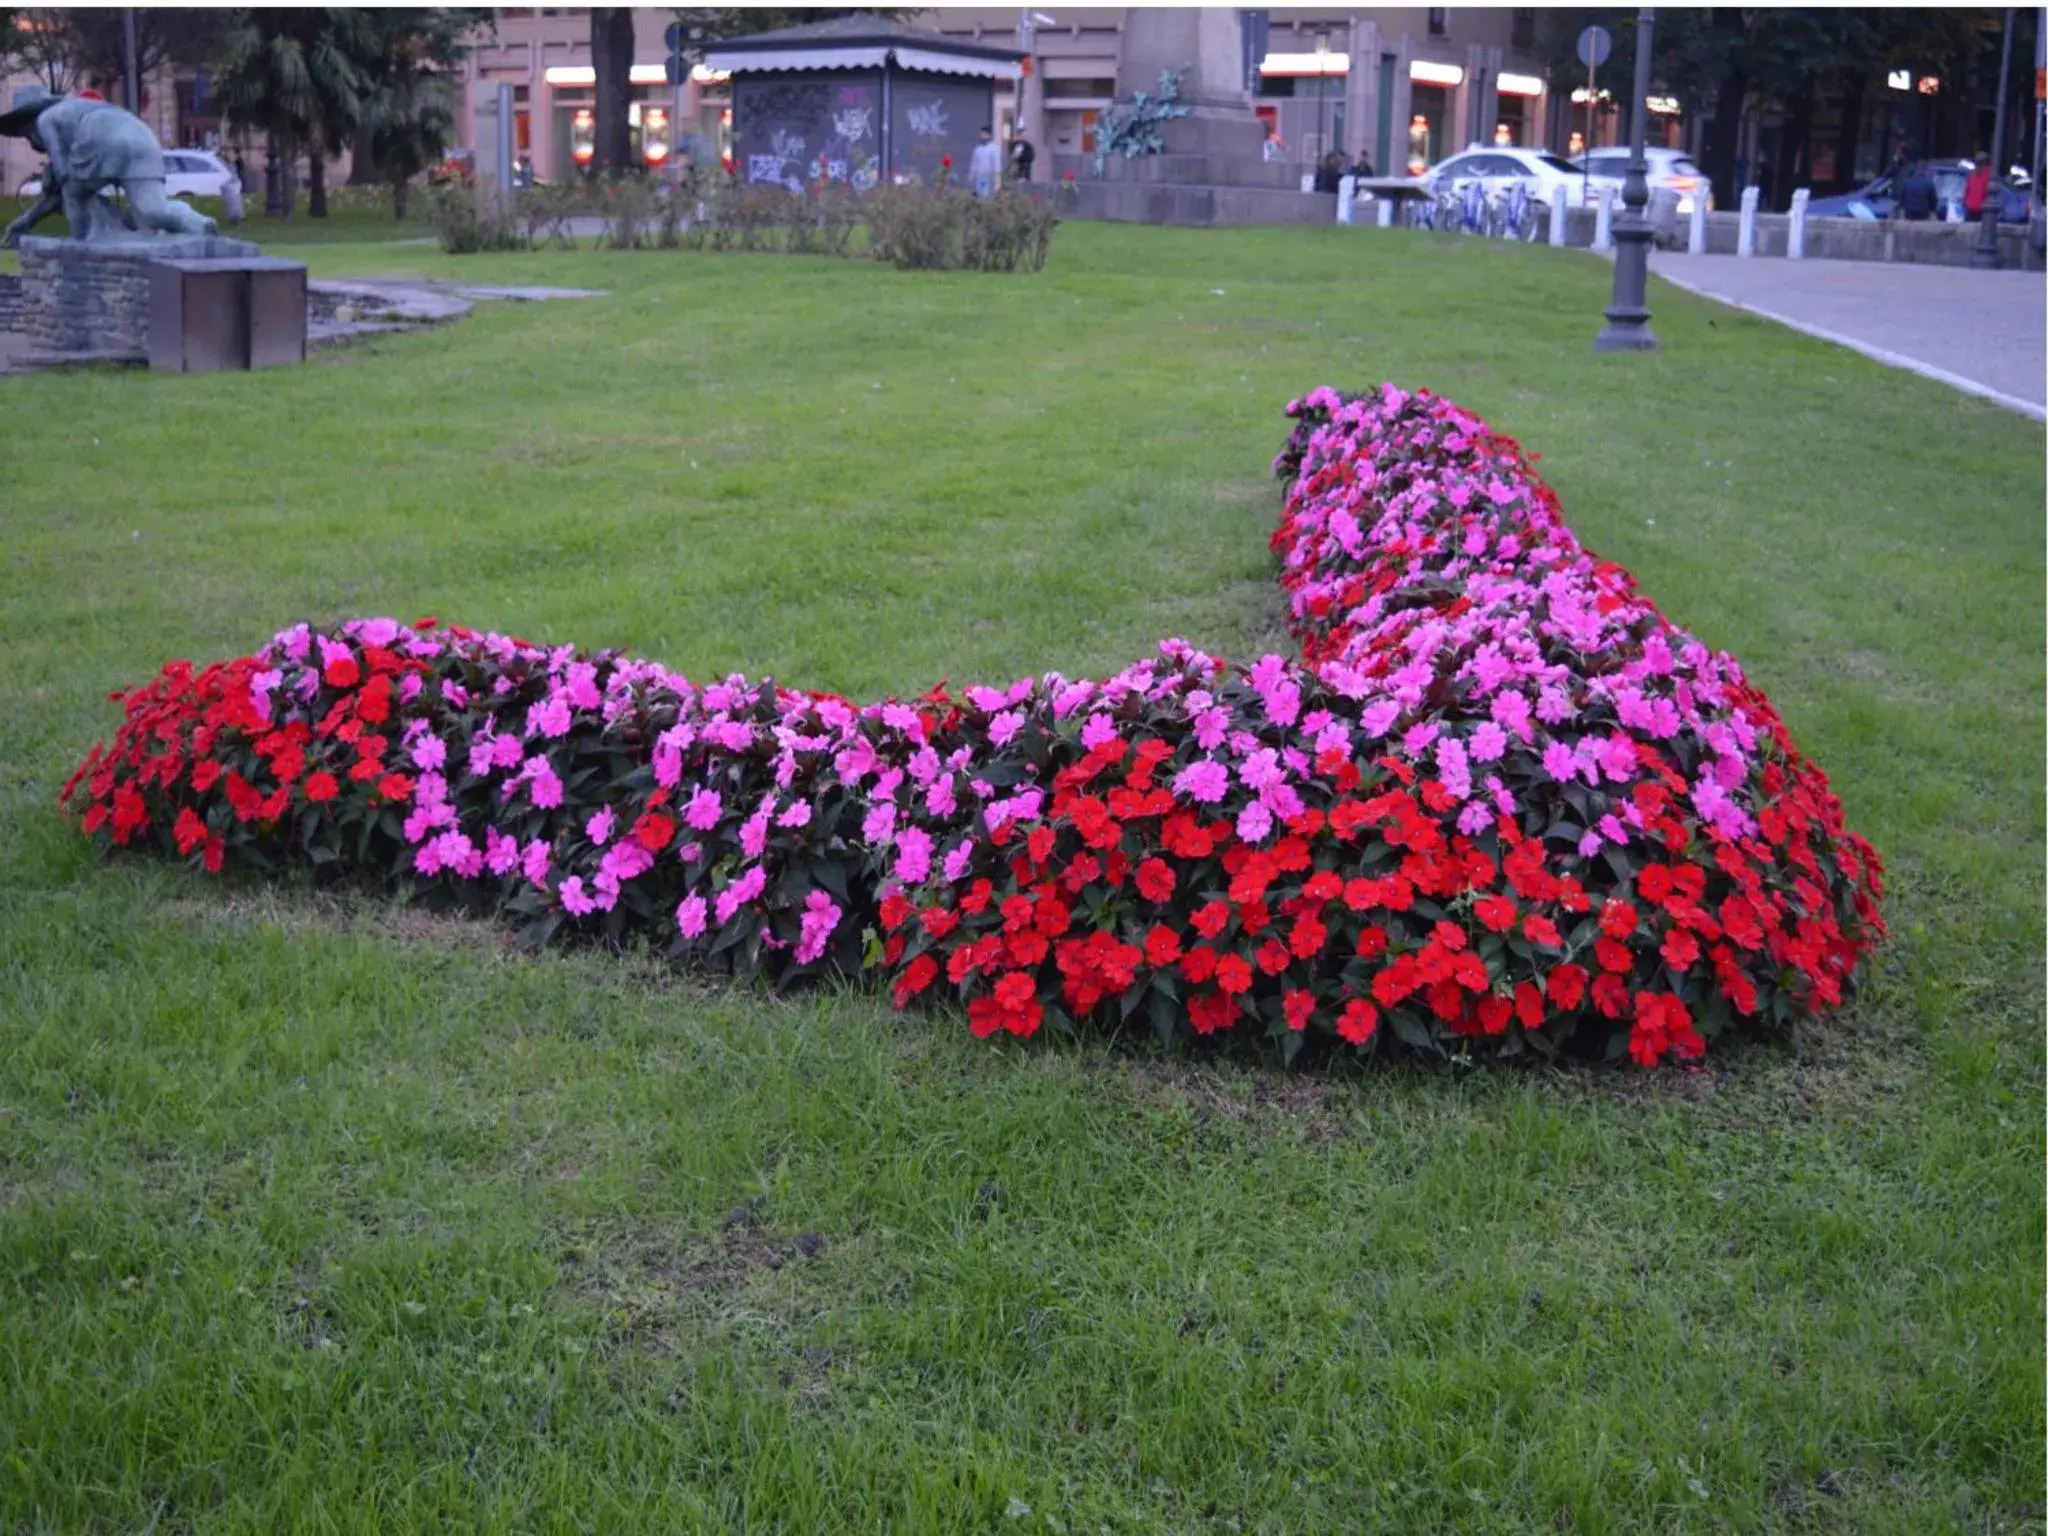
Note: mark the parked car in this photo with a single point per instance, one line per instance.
(195, 173)
(1547, 177)
(187, 173)
(1875, 201)
(1668, 170)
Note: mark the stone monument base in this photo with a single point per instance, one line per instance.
(89, 301)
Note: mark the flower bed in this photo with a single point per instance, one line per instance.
(1500, 802)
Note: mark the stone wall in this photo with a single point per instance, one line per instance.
(89, 302)
(10, 303)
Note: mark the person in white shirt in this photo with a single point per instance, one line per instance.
(985, 168)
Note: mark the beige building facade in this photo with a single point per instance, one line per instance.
(1403, 86)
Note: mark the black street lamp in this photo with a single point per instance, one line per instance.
(1985, 253)
(1628, 317)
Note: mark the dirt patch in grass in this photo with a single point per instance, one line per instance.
(652, 1288)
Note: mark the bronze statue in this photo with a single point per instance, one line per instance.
(95, 144)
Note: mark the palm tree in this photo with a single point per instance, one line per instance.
(296, 77)
(408, 116)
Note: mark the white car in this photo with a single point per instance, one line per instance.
(1548, 177)
(1671, 170)
(187, 173)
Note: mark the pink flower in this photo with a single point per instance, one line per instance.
(574, 901)
(1204, 782)
(690, 916)
(1254, 822)
(533, 863)
(599, 827)
(704, 809)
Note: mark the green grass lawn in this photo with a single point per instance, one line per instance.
(325, 1215)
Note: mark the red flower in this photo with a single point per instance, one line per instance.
(1162, 946)
(1233, 975)
(1039, 844)
(1613, 957)
(917, 975)
(189, 830)
(342, 672)
(215, 853)
(205, 774)
(1496, 912)
(1273, 957)
(1653, 884)
(653, 831)
(1358, 1021)
(321, 787)
(1618, 919)
(1372, 941)
(1680, 949)
(394, 787)
(1298, 1006)
(1199, 964)
(1541, 930)
(1155, 880)
(1565, 987)
(938, 921)
(1211, 1011)
(1211, 918)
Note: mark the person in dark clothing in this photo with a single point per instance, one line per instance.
(1329, 171)
(1363, 167)
(1900, 168)
(1917, 198)
(1023, 154)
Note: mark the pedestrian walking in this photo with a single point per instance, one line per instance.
(985, 165)
(1023, 155)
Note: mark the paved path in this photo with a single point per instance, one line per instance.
(1979, 331)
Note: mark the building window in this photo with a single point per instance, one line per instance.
(1439, 21)
(1524, 34)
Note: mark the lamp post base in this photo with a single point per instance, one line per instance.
(1626, 331)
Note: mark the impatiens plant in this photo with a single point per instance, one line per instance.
(1500, 802)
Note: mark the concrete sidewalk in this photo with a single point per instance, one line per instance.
(1979, 331)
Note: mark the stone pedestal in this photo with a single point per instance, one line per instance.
(1213, 170)
(89, 302)
(1220, 123)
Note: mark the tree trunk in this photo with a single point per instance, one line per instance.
(1850, 137)
(401, 188)
(611, 56)
(316, 185)
(1793, 137)
(1724, 142)
(288, 177)
(361, 171)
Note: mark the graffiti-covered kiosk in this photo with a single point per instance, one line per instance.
(857, 99)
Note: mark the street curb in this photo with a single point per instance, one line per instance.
(2025, 408)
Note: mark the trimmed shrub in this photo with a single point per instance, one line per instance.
(1500, 804)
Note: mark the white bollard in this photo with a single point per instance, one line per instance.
(1603, 224)
(1347, 188)
(1795, 228)
(1386, 208)
(1558, 212)
(1745, 235)
(1696, 236)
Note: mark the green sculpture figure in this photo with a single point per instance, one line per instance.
(95, 144)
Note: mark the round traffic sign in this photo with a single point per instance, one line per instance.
(1595, 43)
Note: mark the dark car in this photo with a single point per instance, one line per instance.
(1950, 176)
